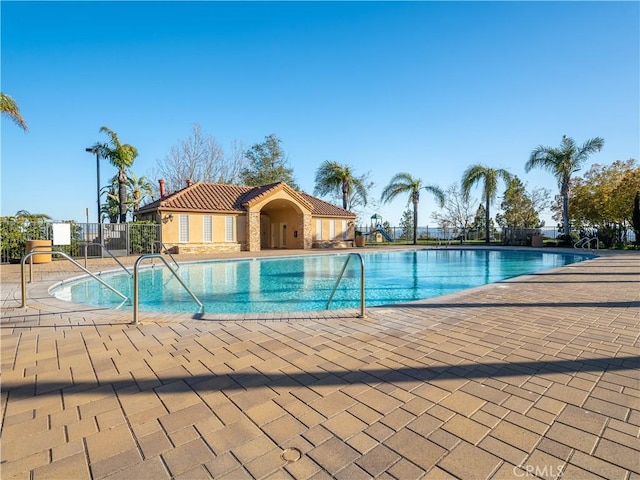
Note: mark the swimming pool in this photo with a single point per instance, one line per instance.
(304, 283)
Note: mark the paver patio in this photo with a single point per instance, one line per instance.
(532, 377)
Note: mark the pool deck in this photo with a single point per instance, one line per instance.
(532, 377)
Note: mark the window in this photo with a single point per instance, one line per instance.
(184, 228)
(332, 229)
(228, 229)
(207, 228)
(319, 229)
(344, 229)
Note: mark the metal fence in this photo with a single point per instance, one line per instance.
(135, 239)
(119, 238)
(508, 236)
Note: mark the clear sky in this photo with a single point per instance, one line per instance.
(423, 87)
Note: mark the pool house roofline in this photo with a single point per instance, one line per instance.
(205, 217)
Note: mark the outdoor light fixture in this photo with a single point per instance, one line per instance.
(95, 150)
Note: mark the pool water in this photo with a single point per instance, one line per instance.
(304, 283)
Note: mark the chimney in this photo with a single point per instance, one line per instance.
(161, 182)
(189, 182)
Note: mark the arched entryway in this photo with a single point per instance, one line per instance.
(278, 217)
(281, 223)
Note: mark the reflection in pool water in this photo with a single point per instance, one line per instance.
(305, 283)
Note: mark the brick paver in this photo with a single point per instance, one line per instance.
(534, 377)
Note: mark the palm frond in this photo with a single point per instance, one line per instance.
(9, 107)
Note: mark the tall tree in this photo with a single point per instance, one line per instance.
(199, 158)
(333, 176)
(111, 207)
(603, 199)
(406, 224)
(139, 189)
(489, 178)
(402, 184)
(457, 210)
(120, 156)
(480, 223)
(267, 164)
(521, 208)
(9, 108)
(563, 162)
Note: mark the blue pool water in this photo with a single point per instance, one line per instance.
(305, 283)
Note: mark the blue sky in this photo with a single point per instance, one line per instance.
(423, 87)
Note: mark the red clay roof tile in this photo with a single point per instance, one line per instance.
(214, 197)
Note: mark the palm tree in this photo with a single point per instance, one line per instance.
(33, 225)
(122, 157)
(333, 177)
(489, 176)
(562, 163)
(9, 107)
(111, 207)
(139, 189)
(404, 183)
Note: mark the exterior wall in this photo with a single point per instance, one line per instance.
(203, 247)
(307, 221)
(326, 229)
(241, 231)
(196, 243)
(253, 231)
(342, 236)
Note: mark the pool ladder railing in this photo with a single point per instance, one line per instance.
(446, 242)
(52, 251)
(166, 250)
(49, 250)
(585, 243)
(104, 250)
(136, 282)
(335, 287)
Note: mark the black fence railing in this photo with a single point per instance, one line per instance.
(136, 239)
(120, 239)
(506, 236)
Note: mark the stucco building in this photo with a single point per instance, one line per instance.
(207, 217)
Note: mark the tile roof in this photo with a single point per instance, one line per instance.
(215, 197)
(320, 207)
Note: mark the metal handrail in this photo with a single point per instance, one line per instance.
(46, 249)
(580, 242)
(135, 283)
(166, 250)
(23, 279)
(104, 249)
(446, 241)
(585, 242)
(335, 287)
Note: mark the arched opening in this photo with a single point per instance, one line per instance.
(281, 225)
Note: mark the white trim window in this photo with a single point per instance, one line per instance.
(183, 228)
(344, 229)
(318, 229)
(332, 229)
(228, 229)
(207, 228)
